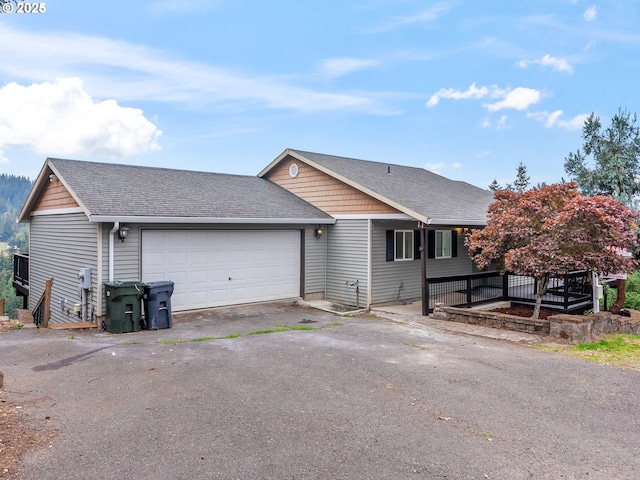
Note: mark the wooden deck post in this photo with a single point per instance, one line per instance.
(47, 303)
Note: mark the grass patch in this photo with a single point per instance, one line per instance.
(334, 324)
(620, 350)
(281, 328)
(268, 330)
(131, 343)
(276, 329)
(16, 326)
(231, 335)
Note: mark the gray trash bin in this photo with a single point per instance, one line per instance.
(157, 305)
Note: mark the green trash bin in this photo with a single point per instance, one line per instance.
(123, 306)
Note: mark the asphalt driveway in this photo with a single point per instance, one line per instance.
(361, 398)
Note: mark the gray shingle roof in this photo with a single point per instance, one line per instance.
(114, 190)
(417, 190)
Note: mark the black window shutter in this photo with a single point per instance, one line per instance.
(431, 244)
(390, 256)
(416, 244)
(454, 243)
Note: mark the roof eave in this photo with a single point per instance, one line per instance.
(38, 188)
(278, 159)
(216, 220)
(472, 222)
(34, 194)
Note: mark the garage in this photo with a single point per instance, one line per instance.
(212, 268)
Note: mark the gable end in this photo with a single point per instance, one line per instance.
(55, 197)
(325, 192)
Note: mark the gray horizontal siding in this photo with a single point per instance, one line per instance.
(315, 262)
(392, 281)
(59, 246)
(398, 281)
(448, 267)
(347, 261)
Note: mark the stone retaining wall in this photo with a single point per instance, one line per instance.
(574, 328)
(586, 328)
(491, 319)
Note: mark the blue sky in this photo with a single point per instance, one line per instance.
(467, 89)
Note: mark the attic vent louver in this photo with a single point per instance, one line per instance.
(389, 169)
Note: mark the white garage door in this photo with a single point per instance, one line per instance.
(215, 268)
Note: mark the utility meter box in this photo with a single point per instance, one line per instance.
(85, 278)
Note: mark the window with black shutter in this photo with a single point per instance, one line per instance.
(401, 245)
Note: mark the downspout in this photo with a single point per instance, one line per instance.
(112, 232)
(369, 262)
(99, 272)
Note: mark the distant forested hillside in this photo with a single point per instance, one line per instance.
(13, 193)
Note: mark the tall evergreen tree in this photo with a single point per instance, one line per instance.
(494, 186)
(609, 164)
(521, 182)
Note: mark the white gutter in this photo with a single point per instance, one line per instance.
(112, 232)
(280, 221)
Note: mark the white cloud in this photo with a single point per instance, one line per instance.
(471, 92)
(435, 167)
(501, 124)
(62, 119)
(424, 16)
(483, 153)
(591, 13)
(558, 64)
(519, 98)
(486, 123)
(440, 167)
(133, 72)
(553, 120)
(3, 159)
(338, 67)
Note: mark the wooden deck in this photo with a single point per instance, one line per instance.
(72, 325)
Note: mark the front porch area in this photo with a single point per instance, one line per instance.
(572, 293)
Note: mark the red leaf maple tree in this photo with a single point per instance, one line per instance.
(553, 230)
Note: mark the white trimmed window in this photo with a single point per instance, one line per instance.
(403, 245)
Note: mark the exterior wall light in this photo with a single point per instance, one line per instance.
(123, 231)
(318, 231)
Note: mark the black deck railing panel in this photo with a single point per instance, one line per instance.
(21, 268)
(567, 292)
